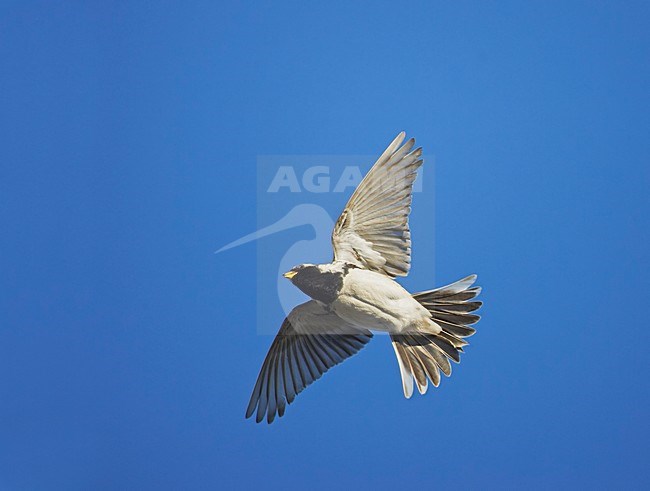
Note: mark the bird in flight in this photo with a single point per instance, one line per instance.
(357, 293)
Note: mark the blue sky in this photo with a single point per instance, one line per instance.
(130, 135)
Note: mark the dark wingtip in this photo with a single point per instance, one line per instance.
(250, 409)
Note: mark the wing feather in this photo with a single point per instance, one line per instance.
(373, 231)
(310, 342)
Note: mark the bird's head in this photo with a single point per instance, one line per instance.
(301, 272)
(319, 281)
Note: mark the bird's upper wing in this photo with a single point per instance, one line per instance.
(373, 230)
(310, 342)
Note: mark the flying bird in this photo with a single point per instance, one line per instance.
(357, 293)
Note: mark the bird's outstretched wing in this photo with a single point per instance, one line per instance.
(311, 341)
(373, 230)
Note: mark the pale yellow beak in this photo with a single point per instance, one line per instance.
(289, 274)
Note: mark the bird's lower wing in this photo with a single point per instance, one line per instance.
(310, 342)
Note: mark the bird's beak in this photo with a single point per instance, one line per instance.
(289, 274)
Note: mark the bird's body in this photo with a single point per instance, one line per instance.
(363, 298)
(356, 293)
(372, 300)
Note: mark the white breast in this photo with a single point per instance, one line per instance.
(375, 301)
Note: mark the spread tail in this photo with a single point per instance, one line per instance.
(422, 355)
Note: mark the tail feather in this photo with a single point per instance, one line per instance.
(431, 367)
(411, 367)
(422, 355)
(418, 370)
(456, 330)
(404, 369)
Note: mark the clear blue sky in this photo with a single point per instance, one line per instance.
(130, 132)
